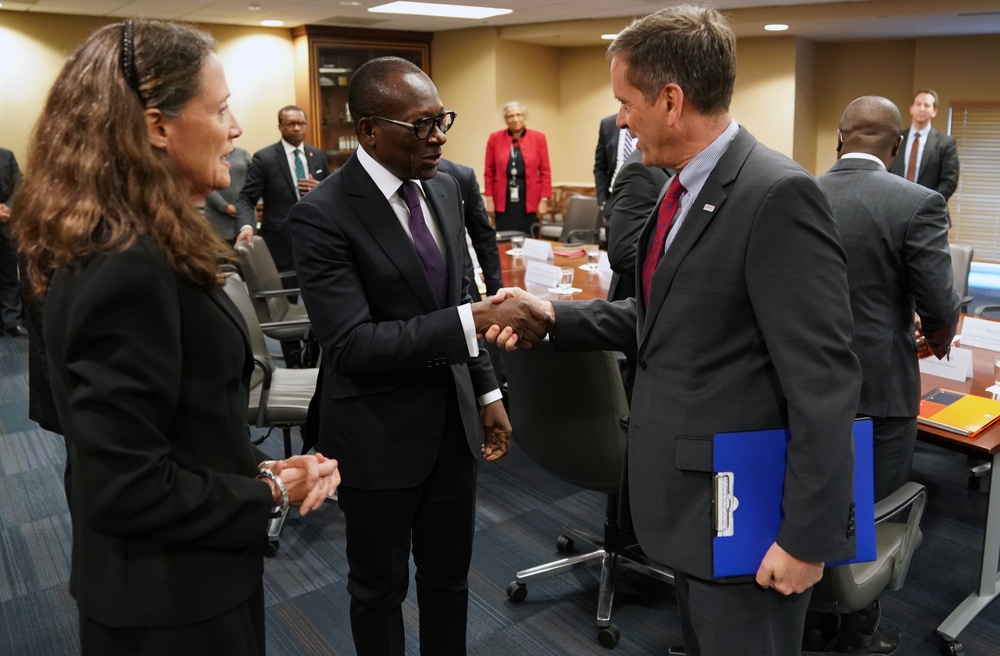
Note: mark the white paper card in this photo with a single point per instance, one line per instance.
(539, 249)
(982, 333)
(957, 365)
(540, 273)
(604, 264)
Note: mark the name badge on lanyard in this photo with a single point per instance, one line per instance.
(515, 192)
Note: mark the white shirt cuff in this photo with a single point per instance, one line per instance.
(465, 315)
(489, 397)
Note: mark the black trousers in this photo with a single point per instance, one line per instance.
(237, 631)
(895, 438)
(436, 518)
(739, 618)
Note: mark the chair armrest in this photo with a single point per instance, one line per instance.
(276, 292)
(912, 496)
(285, 324)
(286, 274)
(588, 235)
(985, 308)
(265, 389)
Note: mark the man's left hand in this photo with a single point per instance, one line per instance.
(786, 573)
(496, 431)
(307, 184)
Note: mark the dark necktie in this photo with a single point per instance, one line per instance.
(664, 219)
(300, 167)
(911, 167)
(427, 248)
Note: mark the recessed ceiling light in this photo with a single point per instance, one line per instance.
(272, 23)
(609, 37)
(254, 7)
(349, 3)
(776, 27)
(443, 11)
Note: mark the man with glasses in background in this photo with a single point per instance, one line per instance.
(409, 400)
(281, 174)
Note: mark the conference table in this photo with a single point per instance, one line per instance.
(986, 445)
(592, 284)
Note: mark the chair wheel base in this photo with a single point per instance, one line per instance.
(564, 544)
(953, 648)
(608, 636)
(517, 592)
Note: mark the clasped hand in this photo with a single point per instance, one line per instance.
(309, 479)
(513, 318)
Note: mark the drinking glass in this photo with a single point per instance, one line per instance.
(565, 279)
(593, 258)
(516, 243)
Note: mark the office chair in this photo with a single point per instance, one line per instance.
(280, 319)
(579, 224)
(279, 397)
(569, 414)
(961, 264)
(855, 587)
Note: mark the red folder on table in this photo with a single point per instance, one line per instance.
(750, 475)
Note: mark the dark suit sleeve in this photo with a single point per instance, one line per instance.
(602, 176)
(796, 276)
(483, 236)
(948, 182)
(928, 265)
(246, 204)
(633, 199)
(122, 347)
(9, 178)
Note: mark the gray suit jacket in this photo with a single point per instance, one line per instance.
(216, 202)
(748, 327)
(938, 164)
(391, 355)
(270, 178)
(896, 237)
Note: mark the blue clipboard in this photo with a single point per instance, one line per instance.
(750, 473)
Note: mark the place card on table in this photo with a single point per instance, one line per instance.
(957, 365)
(981, 333)
(539, 249)
(604, 264)
(540, 273)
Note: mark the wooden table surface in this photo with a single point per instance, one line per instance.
(593, 284)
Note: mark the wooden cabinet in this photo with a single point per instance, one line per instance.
(325, 60)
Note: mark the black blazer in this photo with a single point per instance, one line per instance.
(633, 200)
(895, 234)
(391, 356)
(748, 327)
(270, 178)
(606, 157)
(938, 165)
(149, 375)
(477, 224)
(10, 175)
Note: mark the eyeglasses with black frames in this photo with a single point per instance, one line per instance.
(422, 128)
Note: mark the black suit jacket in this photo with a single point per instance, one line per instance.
(391, 357)
(896, 237)
(938, 164)
(150, 376)
(270, 178)
(10, 175)
(606, 157)
(477, 224)
(748, 327)
(633, 200)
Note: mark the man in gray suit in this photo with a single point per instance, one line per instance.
(220, 205)
(928, 157)
(895, 234)
(741, 321)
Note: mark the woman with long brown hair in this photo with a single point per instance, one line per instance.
(149, 361)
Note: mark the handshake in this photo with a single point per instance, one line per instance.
(513, 318)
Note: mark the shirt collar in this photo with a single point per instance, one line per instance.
(289, 147)
(694, 175)
(866, 156)
(386, 182)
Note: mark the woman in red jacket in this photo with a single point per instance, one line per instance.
(518, 180)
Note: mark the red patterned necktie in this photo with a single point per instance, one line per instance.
(664, 219)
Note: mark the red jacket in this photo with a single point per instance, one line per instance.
(538, 174)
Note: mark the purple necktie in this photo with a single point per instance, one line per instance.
(427, 248)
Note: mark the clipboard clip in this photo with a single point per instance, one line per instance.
(726, 504)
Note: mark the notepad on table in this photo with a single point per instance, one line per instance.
(566, 251)
(957, 412)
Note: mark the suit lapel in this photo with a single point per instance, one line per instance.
(450, 226)
(703, 210)
(377, 216)
(930, 148)
(219, 297)
(286, 173)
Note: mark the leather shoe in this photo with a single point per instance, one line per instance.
(15, 331)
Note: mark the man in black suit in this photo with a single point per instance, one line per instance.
(614, 145)
(477, 224)
(281, 174)
(11, 308)
(895, 234)
(930, 159)
(741, 322)
(381, 256)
